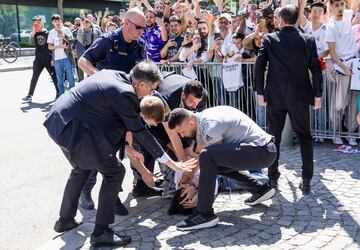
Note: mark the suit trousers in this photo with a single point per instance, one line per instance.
(300, 121)
(113, 173)
(227, 160)
(38, 65)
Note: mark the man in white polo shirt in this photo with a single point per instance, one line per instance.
(228, 141)
(59, 40)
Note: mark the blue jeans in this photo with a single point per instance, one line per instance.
(62, 67)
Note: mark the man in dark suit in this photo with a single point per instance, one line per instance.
(89, 124)
(288, 90)
(177, 91)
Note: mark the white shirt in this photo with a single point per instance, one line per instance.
(340, 32)
(319, 36)
(55, 39)
(226, 44)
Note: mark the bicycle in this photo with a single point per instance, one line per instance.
(8, 52)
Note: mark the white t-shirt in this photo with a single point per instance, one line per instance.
(319, 35)
(341, 33)
(226, 44)
(55, 39)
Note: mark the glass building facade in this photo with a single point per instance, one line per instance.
(16, 19)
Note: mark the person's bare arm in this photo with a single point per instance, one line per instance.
(336, 59)
(175, 142)
(54, 47)
(86, 66)
(302, 17)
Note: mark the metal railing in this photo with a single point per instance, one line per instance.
(325, 123)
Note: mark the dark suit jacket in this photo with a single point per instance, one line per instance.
(290, 55)
(89, 121)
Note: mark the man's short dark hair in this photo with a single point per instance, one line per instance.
(289, 13)
(55, 17)
(318, 4)
(147, 71)
(175, 18)
(202, 21)
(178, 116)
(194, 88)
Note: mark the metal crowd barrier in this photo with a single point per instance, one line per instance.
(245, 99)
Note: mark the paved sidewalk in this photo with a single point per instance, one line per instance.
(22, 63)
(329, 218)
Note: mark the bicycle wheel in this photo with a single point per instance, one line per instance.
(17, 46)
(9, 53)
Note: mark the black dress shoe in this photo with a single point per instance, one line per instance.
(142, 191)
(305, 186)
(109, 238)
(86, 201)
(120, 209)
(61, 227)
(273, 183)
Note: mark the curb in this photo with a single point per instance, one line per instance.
(16, 69)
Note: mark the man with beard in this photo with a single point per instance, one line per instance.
(176, 38)
(154, 35)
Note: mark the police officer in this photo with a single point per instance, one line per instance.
(42, 57)
(89, 123)
(118, 50)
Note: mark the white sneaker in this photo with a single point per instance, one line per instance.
(337, 140)
(352, 141)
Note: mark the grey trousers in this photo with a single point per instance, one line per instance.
(227, 160)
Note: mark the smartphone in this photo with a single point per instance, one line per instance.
(159, 15)
(357, 15)
(215, 10)
(217, 36)
(189, 33)
(172, 36)
(122, 12)
(107, 9)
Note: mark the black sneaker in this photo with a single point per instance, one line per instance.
(86, 201)
(198, 221)
(141, 191)
(305, 186)
(27, 98)
(257, 198)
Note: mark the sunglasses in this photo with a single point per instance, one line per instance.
(138, 27)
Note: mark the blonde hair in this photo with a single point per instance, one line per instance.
(153, 108)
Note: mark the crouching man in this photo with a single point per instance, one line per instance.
(228, 141)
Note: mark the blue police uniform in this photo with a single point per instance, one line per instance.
(110, 51)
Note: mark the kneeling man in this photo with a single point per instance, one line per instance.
(228, 141)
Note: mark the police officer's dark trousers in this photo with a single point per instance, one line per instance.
(38, 65)
(113, 173)
(300, 121)
(227, 160)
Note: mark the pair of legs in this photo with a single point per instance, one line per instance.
(62, 67)
(113, 173)
(227, 160)
(38, 65)
(300, 121)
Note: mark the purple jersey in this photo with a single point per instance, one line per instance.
(154, 42)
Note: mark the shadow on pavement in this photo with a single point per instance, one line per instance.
(44, 107)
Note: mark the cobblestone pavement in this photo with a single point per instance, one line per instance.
(328, 218)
